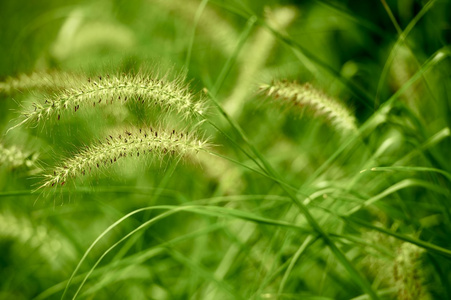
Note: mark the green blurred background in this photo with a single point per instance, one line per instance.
(352, 50)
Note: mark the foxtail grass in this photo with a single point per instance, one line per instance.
(12, 157)
(255, 56)
(134, 142)
(36, 238)
(171, 95)
(43, 81)
(408, 273)
(211, 24)
(305, 95)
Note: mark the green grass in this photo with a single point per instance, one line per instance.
(225, 150)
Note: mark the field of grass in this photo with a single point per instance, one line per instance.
(225, 149)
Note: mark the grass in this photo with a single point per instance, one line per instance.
(146, 154)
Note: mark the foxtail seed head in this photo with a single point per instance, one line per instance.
(14, 158)
(129, 143)
(408, 275)
(306, 95)
(43, 81)
(168, 94)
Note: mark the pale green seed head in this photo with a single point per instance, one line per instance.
(134, 142)
(305, 95)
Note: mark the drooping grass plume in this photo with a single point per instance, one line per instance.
(134, 142)
(45, 81)
(255, 56)
(211, 23)
(14, 158)
(117, 89)
(403, 67)
(305, 95)
(226, 175)
(408, 273)
(400, 266)
(37, 238)
(80, 33)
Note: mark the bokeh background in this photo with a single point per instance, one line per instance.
(359, 52)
